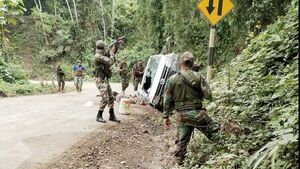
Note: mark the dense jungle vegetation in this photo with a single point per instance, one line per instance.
(256, 62)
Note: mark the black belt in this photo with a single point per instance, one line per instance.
(189, 108)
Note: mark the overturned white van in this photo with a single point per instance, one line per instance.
(159, 68)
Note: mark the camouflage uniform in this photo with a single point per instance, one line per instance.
(78, 75)
(103, 73)
(60, 78)
(123, 72)
(186, 100)
(138, 71)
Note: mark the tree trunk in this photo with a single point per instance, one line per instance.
(113, 18)
(71, 15)
(39, 7)
(3, 41)
(103, 20)
(55, 10)
(75, 11)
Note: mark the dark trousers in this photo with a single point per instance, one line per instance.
(184, 132)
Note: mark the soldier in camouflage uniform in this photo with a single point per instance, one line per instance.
(103, 61)
(123, 72)
(138, 71)
(184, 93)
(60, 75)
(78, 70)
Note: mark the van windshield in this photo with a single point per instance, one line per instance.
(150, 72)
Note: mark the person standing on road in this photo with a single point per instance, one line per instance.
(184, 93)
(60, 75)
(78, 76)
(123, 72)
(138, 71)
(103, 62)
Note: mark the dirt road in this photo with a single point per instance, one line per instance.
(138, 142)
(59, 131)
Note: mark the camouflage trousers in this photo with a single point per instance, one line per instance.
(187, 121)
(105, 93)
(78, 81)
(124, 82)
(136, 81)
(61, 84)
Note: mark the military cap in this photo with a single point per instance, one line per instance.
(100, 44)
(187, 56)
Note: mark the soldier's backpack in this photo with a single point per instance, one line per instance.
(78, 72)
(195, 83)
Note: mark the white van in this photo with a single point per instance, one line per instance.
(159, 68)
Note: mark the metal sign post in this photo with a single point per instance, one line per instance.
(214, 11)
(211, 51)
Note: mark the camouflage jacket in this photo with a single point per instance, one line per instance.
(123, 69)
(102, 64)
(181, 96)
(59, 72)
(138, 70)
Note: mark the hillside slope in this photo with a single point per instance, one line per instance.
(259, 92)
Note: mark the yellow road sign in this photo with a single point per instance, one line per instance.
(215, 10)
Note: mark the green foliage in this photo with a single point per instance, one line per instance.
(256, 15)
(263, 97)
(12, 73)
(70, 42)
(135, 53)
(124, 18)
(177, 26)
(23, 89)
(132, 54)
(9, 9)
(58, 32)
(68, 70)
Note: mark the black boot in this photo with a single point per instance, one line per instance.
(112, 116)
(99, 117)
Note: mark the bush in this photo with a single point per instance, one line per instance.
(23, 89)
(263, 97)
(12, 73)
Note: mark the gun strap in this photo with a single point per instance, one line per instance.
(188, 83)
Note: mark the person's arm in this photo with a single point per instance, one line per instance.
(141, 73)
(104, 59)
(168, 102)
(64, 75)
(74, 69)
(206, 91)
(142, 70)
(83, 70)
(133, 70)
(112, 53)
(120, 67)
(61, 72)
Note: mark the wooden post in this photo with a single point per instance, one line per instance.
(211, 51)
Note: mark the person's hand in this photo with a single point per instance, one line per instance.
(167, 122)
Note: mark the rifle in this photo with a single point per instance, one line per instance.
(115, 45)
(197, 67)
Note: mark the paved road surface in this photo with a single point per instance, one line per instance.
(34, 129)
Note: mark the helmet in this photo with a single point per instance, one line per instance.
(187, 57)
(100, 44)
